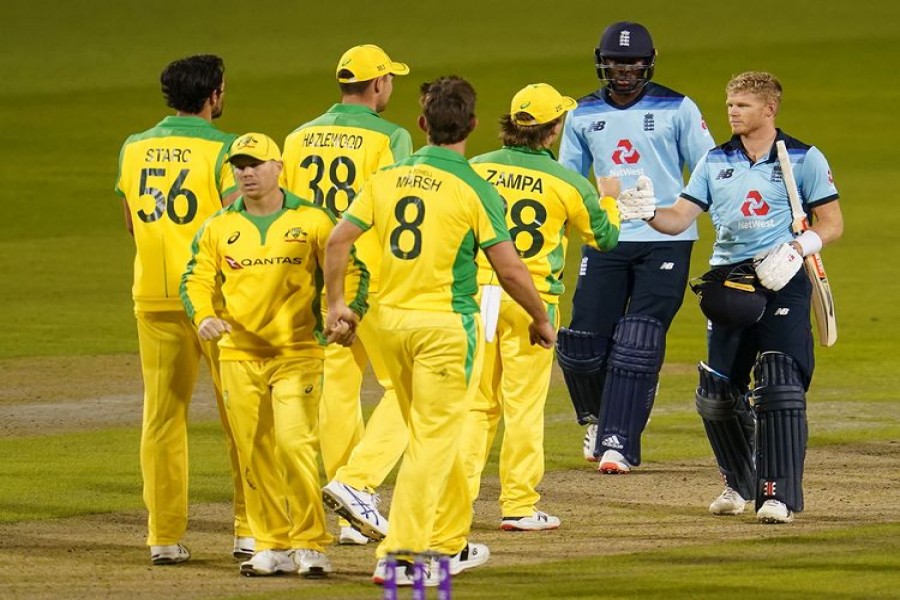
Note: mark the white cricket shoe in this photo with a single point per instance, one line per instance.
(351, 537)
(587, 444)
(473, 555)
(613, 463)
(775, 512)
(539, 521)
(357, 506)
(729, 502)
(244, 547)
(403, 573)
(311, 564)
(269, 562)
(169, 555)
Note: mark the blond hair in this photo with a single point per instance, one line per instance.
(759, 83)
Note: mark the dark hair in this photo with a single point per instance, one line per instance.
(356, 88)
(448, 105)
(533, 136)
(188, 82)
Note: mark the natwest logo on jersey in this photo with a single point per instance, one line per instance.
(625, 153)
(754, 205)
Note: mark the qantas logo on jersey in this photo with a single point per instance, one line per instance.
(754, 205)
(260, 262)
(625, 153)
(295, 235)
(515, 181)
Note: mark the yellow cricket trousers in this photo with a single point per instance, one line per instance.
(377, 447)
(514, 385)
(273, 408)
(434, 361)
(170, 355)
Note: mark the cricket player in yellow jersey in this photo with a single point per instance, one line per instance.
(431, 214)
(544, 201)
(172, 177)
(327, 161)
(266, 251)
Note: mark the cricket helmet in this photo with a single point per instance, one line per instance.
(731, 298)
(620, 44)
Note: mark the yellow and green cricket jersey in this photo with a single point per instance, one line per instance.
(430, 214)
(329, 159)
(173, 178)
(544, 201)
(271, 274)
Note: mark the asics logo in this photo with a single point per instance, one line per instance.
(366, 510)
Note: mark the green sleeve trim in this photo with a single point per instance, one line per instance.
(401, 144)
(360, 304)
(357, 222)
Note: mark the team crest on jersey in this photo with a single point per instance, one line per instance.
(649, 124)
(625, 153)
(295, 234)
(234, 237)
(777, 176)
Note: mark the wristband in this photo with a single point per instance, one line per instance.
(809, 241)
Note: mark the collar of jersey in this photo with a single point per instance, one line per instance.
(185, 121)
(442, 153)
(527, 150)
(290, 201)
(352, 109)
(735, 145)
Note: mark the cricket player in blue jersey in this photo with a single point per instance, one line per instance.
(625, 299)
(758, 321)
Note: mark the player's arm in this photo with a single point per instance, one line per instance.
(356, 282)
(827, 226)
(676, 218)
(516, 280)
(573, 151)
(596, 218)
(340, 320)
(198, 286)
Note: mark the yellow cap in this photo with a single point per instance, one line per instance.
(368, 62)
(541, 103)
(255, 145)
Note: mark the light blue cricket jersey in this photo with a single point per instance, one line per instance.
(657, 135)
(748, 203)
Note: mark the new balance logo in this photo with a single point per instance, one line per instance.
(597, 126)
(667, 266)
(782, 312)
(725, 174)
(612, 441)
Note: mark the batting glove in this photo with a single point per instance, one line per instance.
(638, 202)
(776, 267)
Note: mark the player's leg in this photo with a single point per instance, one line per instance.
(340, 414)
(296, 392)
(169, 361)
(485, 409)
(441, 352)
(659, 273)
(601, 294)
(524, 385)
(244, 544)
(781, 377)
(248, 403)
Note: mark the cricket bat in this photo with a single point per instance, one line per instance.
(822, 299)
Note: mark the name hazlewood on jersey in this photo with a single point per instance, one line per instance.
(332, 140)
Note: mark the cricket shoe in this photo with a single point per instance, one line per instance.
(244, 547)
(269, 562)
(473, 555)
(729, 502)
(351, 537)
(774, 512)
(169, 555)
(357, 506)
(404, 573)
(613, 463)
(311, 564)
(587, 445)
(539, 521)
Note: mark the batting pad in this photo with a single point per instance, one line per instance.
(630, 388)
(582, 358)
(782, 431)
(729, 426)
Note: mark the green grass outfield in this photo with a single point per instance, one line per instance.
(78, 77)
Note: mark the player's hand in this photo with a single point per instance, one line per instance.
(777, 266)
(638, 202)
(340, 325)
(609, 186)
(212, 328)
(542, 334)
